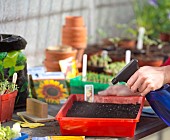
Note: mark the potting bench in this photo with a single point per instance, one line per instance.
(146, 126)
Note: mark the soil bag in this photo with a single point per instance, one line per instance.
(12, 60)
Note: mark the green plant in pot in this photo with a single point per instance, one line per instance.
(13, 58)
(114, 68)
(106, 42)
(128, 30)
(11, 62)
(6, 85)
(98, 78)
(150, 58)
(11, 133)
(115, 41)
(8, 93)
(128, 35)
(101, 33)
(97, 62)
(148, 42)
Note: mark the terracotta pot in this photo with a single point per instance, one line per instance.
(74, 33)
(53, 55)
(76, 45)
(74, 30)
(74, 39)
(79, 56)
(107, 42)
(74, 21)
(155, 63)
(150, 61)
(117, 55)
(78, 34)
(95, 69)
(164, 37)
(7, 102)
(52, 65)
(127, 43)
(117, 58)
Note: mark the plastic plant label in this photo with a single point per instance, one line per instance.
(89, 93)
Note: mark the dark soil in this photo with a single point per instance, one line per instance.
(103, 110)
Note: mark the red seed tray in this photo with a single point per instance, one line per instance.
(114, 127)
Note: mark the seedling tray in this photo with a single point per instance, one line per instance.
(114, 127)
(77, 85)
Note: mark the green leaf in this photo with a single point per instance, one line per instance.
(2, 72)
(24, 86)
(11, 71)
(3, 55)
(11, 59)
(21, 59)
(18, 68)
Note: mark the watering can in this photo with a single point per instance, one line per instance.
(159, 99)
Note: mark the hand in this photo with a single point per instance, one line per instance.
(146, 79)
(117, 90)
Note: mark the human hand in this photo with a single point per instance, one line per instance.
(117, 90)
(146, 79)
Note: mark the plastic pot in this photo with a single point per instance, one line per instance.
(7, 102)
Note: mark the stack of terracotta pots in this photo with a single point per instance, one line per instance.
(74, 33)
(54, 54)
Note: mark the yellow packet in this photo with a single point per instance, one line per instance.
(67, 137)
(69, 67)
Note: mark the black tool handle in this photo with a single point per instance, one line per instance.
(126, 72)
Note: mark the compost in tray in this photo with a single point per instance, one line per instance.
(103, 110)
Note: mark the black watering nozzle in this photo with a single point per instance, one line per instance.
(126, 72)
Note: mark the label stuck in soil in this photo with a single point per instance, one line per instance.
(89, 93)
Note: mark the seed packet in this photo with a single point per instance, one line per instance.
(68, 67)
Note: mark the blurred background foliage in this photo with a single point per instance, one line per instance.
(154, 15)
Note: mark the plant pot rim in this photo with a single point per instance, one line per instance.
(60, 52)
(82, 28)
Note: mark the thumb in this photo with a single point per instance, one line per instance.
(104, 93)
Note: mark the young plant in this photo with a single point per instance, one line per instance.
(129, 31)
(98, 78)
(114, 68)
(115, 41)
(148, 43)
(7, 133)
(100, 60)
(5, 85)
(101, 33)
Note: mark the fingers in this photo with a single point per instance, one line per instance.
(132, 79)
(149, 88)
(109, 91)
(117, 90)
(103, 93)
(146, 84)
(137, 85)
